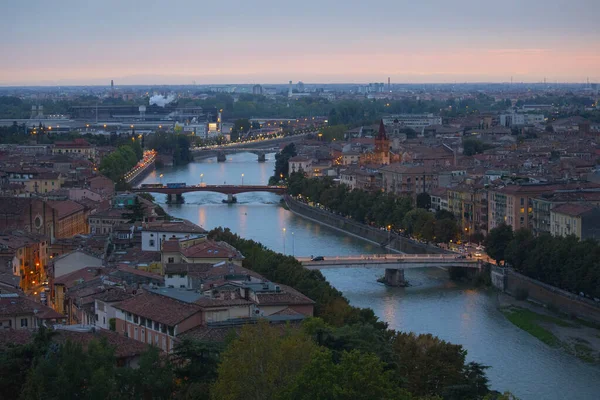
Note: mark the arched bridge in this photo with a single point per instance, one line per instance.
(393, 264)
(224, 189)
(390, 261)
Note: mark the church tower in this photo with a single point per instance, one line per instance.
(382, 146)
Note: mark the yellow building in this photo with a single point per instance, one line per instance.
(79, 147)
(468, 203)
(44, 182)
(581, 220)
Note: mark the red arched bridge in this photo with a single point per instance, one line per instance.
(181, 188)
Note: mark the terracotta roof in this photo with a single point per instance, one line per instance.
(183, 226)
(112, 295)
(573, 209)
(209, 249)
(287, 296)
(299, 159)
(21, 305)
(139, 272)
(407, 169)
(76, 277)
(163, 309)
(66, 207)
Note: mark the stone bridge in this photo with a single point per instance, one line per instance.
(393, 264)
(175, 193)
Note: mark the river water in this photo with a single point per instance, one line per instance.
(459, 314)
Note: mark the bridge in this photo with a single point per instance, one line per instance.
(175, 193)
(394, 264)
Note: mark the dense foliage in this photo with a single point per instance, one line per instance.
(116, 164)
(564, 262)
(473, 146)
(420, 364)
(176, 145)
(378, 209)
(282, 163)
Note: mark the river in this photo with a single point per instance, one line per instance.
(457, 313)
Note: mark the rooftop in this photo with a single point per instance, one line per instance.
(160, 308)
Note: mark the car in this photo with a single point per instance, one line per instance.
(317, 258)
(460, 256)
(478, 254)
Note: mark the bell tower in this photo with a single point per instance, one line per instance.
(382, 145)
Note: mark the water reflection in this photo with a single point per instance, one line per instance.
(433, 304)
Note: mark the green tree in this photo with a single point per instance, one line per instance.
(473, 146)
(424, 201)
(446, 230)
(271, 362)
(358, 376)
(281, 161)
(497, 241)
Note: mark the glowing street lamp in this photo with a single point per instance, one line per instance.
(283, 240)
(242, 179)
(201, 179)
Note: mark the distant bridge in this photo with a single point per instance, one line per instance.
(391, 261)
(224, 189)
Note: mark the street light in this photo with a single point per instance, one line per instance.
(284, 241)
(293, 245)
(242, 179)
(201, 179)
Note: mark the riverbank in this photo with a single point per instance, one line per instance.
(576, 337)
(380, 237)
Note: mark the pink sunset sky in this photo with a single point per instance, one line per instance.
(265, 41)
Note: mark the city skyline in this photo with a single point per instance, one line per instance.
(326, 42)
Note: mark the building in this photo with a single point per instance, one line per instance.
(521, 119)
(439, 199)
(543, 204)
(381, 152)
(356, 178)
(44, 182)
(469, 205)
(408, 180)
(20, 312)
(79, 147)
(199, 250)
(155, 233)
(71, 218)
(581, 220)
(299, 163)
(28, 256)
(61, 285)
(102, 185)
(104, 221)
(155, 319)
(27, 214)
(74, 261)
(104, 306)
(413, 121)
(257, 90)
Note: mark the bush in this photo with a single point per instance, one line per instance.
(521, 293)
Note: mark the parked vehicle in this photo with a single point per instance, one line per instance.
(317, 258)
(152, 185)
(177, 185)
(478, 254)
(461, 256)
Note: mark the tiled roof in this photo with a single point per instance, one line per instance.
(112, 295)
(183, 226)
(66, 207)
(21, 305)
(209, 249)
(572, 209)
(159, 308)
(287, 296)
(124, 347)
(76, 277)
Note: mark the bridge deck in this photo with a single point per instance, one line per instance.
(390, 261)
(224, 189)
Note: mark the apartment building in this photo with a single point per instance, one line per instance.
(408, 180)
(581, 220)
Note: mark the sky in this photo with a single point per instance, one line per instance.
(74, 42)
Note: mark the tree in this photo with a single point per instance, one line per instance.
(358, 376)
(424, 200)
(271, 360)
(281, 161)
(497, 241)
(473, 146)
(446, 230)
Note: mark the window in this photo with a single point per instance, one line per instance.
(171, 331)
(23, 322)
(522, 201)
(135, 319)
(151, 243)
(171, 260)
(149, 323)
(156, 326)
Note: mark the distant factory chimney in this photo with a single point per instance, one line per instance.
(112, 88)
(389, 85)
(290, 90)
